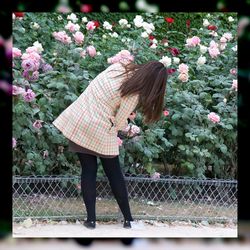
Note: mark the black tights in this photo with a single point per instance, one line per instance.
(112, 170)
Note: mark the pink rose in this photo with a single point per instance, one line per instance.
(16, 52)
(62, 37)
(37, 124)
(213, 52)
(31, 55)
(83, 53)
(13, 142)
(223, 40)
(183, 77)
(79, 37)
(192, 42)
(135, 129)
(32, 49)
(165, 112)
(235, 85)
(30, 65)
(183, 68)
(213, 117)
(29, 95)
(233, 71)
(17, 90)
(119, 141)
(72, 27)
(90, 25)
(91, 51)
(155, 176)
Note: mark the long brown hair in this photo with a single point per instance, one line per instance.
(149, 81)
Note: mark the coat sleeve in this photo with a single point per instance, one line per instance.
(127, 106)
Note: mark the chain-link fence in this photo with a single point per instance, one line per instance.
(168, 198)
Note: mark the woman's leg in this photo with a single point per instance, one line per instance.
(113, 171)
(88, 183)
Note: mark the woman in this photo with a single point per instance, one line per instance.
(91, 123)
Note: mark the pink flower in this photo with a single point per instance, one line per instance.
(30, 65)
(122, 56)
(233, 71)
(135, 129)
(235, 85)
(86, 8)
(72, 27)
(37, 124)
(32, 49)
(13, 142)
(62, 37)
(213, 117)
(79, 37)
(126, 129)
(83, 53)
(223, 39)
(119, 141)
(183, 77)
(16, 52)
(228, 36)
(31, 76)
(31, 55)
(17, 90)
(91, 51)
(29, 95)
(165, 112)
(155, 176)
(192, 42)
(213, 52)
(183, 68)
(90, 25)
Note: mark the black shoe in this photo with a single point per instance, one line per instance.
(89, 224)
(126, 224)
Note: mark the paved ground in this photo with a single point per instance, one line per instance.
(139, 229)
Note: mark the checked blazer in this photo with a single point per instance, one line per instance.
(94, 118)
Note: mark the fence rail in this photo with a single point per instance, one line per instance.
(166, 198)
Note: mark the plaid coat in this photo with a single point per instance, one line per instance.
(94, 118)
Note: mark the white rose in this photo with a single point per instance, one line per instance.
(167, 61)
(154, 41)
(72, 17)
(98, 53)
(135, 129)
(59, 18)
(144, 34)
(213, 33)
(235, 48)
(85, 19)
(36, 26)
(129, 25)
(153, 46)
(138, 21)
(123, 22)
(228, 36)
(104, 36)
(203, 49)
(114, 34)
(38, 46)
(201, 60)
(230, 19)
(176, 60)
(165, 44)
(205, 22)
(208, 15)
(107, 25)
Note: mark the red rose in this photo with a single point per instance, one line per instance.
(86, 8)
(151, 37)
(97, 24)
(170, 71)
(174, 51)
(188, 23)
(19, 14)
(211, 27)
(169, 19)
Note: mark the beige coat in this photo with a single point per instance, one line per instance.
(94, 118)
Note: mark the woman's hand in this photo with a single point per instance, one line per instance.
(132, 116)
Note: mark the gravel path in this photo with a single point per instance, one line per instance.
(139, 229)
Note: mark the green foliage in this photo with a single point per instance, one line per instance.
(185, 139)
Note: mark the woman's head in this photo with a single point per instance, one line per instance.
(149, 81)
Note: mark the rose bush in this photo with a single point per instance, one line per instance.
(54, 61)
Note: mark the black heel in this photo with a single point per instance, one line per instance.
(126, 224)
(89, 224)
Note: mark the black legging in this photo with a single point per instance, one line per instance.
(112, 169)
